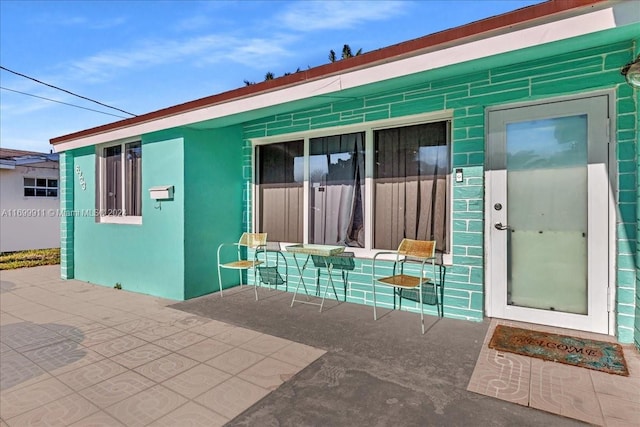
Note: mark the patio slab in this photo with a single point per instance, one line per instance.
(381, 372)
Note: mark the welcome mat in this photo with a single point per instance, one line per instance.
(586, 353)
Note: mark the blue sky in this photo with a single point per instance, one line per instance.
(141, 56)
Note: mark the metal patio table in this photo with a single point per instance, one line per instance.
(325, 252)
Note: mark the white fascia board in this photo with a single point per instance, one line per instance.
(503, 43)
(7, 164)
(575, 26)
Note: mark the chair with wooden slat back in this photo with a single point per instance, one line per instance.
(255, 241)
(420, 251)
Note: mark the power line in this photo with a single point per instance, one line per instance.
(66, 91)
(60, 102)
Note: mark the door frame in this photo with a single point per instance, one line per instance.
(612, 165)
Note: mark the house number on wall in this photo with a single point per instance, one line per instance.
(83, 184)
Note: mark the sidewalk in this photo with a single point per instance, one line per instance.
(76, 354)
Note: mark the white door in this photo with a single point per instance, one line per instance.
(547, 229)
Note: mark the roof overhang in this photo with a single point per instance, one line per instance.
(7, 164)
(582, 18)
(12, 162)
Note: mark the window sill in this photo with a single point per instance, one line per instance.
(127, 220)
(363, 253)
(40, 197)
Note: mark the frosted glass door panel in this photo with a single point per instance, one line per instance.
(547, 214)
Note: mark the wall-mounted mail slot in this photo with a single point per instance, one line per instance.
(161, 192)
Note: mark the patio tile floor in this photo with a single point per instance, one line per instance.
(78, 354)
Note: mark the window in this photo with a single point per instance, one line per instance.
(368, 188)
(336, 176)
(121, 187)
(280, 190)
(40, 187)
(410, 185)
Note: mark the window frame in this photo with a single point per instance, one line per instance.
(101, 213)
(36, 187)
(368, 128)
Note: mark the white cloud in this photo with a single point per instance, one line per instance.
(325, 15)
(254, 52)
(109, 23)
(193, 23)
(17, 104)
(80, 21)
(258, 53)
(68, 20)
(101, 66)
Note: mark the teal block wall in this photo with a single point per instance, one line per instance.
(213, 206)
(626, 154)
(521, 76)
(147, 258)
(67, 176)
(630, 103)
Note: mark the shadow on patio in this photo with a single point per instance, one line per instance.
(374, 372)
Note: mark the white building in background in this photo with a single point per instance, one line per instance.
(29, 200)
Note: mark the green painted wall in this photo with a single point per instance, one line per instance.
(213, 204)
(172, 254)
(67, 175)
(146, 258)
(634, 102)
(468, 89)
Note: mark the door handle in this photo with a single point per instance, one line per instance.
(499, 226)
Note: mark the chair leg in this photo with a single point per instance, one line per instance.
(373, 285)
(255, 282)
(220, 279)
(345, 279)
(443, 274)
(421, 309)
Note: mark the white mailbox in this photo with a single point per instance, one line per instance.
(161, 192)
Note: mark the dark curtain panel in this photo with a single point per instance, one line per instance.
(133, 178)
(280, 190)
(411, 172)
(113, 178)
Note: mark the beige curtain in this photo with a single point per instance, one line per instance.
(281, 212)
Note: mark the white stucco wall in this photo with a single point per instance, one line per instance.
(28, 222)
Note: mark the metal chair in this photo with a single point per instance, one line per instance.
(255, 241)
(269, 272)
(420, 251)
(430, 295)
(343, 263)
